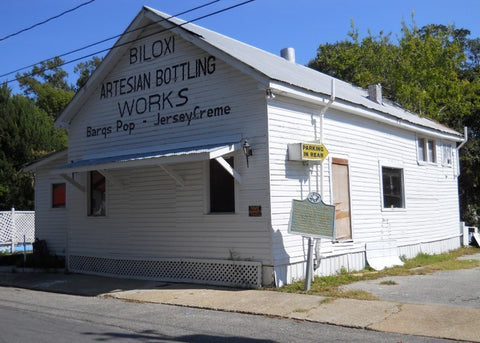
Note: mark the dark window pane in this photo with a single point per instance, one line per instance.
(392, 187)
(222, 188)
(97, 194)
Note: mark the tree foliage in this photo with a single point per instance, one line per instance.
(47, 84)
(432, 71)
(27, 130)
(26, 133)
(85, 70)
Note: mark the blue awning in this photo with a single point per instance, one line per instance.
(179, 155)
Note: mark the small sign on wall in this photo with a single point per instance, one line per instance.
(254, 211)
(307, 152)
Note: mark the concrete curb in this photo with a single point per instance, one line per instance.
(458, 323)
(422, 320)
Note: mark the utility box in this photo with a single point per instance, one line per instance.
(307, 152)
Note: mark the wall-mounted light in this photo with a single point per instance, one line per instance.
(247, 150)
(269, 93)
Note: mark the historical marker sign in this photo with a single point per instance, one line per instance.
(312, 217)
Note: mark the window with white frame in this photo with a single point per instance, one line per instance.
(392, 187)
(426, 150)
(447, 154)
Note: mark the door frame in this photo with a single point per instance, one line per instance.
(342, 160)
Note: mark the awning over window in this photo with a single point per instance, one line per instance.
(186, 154)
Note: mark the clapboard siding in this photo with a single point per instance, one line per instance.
(430, 189)
(50, 223)
(224, 87)
(426, 206)
(288, 123)
(164, 220)
(148, 214)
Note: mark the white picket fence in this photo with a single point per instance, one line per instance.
(16, 227)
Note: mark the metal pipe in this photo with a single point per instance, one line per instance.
(321, 126)
(465, 139)
(309, 271)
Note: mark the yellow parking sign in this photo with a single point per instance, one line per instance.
(314, 152)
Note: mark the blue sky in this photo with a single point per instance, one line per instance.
(267, 24)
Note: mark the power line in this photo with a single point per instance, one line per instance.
(110, 38)
(46, 21)
(137, 39)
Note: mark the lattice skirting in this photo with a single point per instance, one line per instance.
(245, 274)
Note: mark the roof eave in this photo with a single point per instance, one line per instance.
(109, 61)
(358, 109)
(62, 154)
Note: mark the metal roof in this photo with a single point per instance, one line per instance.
(279, 69)
(186, 154)
(265, 66)
(51, 157)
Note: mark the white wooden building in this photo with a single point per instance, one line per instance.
(158, 186)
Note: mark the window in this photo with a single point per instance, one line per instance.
(447, 155)
(96, 194)
(392, 181)
(222, 188)
(426, 150)
(58, 195)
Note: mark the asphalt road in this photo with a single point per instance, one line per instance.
(34, 316)
(453, 288)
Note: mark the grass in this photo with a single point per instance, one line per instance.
(330, 286)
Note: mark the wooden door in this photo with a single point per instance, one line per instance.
(341, 198)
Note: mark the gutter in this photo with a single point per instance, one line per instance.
(362, 112)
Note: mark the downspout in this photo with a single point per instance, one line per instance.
(465, 139)
(318, 242)
(321, 127)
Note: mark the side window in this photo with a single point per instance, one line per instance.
(422, 156)
(97, 185)
(58, 195)
(447, 154)
(392, 188)
(426, 150)
(222, 188)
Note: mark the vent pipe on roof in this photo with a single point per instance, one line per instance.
(288, 54)
(375, 93)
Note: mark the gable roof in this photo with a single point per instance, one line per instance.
(264, 66)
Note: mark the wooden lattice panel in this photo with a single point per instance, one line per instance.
(244, 274)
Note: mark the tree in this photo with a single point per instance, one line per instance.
(47, 84)
(27, 130)
(86, 69)
(26, 133)
(432, 71)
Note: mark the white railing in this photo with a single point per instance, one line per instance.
(16, 227)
